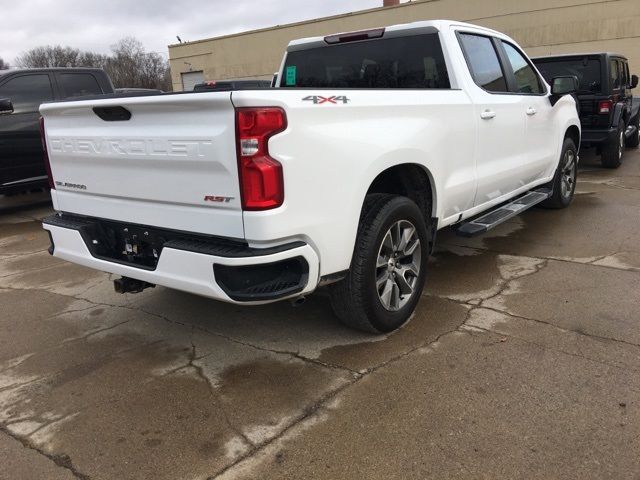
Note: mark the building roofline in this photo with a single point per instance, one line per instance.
(303, 22)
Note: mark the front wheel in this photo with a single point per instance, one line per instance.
(563, 184)
(388, 266)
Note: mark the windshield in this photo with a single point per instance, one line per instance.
(587, 70)
(400, 62)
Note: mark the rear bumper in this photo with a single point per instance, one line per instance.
(597, 137)
(272, 273)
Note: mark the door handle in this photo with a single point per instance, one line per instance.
(487, 114)
(531, 111)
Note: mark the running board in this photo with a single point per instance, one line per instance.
(503, 213)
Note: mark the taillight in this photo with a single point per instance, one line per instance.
(605, 106)
(47, 164)
(261, 180)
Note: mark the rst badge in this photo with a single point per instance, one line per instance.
(217, 199)
(319, 100)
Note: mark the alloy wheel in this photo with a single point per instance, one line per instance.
(398, 265)
(569, 173)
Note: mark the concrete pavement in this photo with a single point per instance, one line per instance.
(522, 361)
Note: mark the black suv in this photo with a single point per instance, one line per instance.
(608, 112)
(21, 93)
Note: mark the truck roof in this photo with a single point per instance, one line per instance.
(580, 55)
(52, 69)
(424, 26)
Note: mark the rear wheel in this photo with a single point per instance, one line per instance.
(634, 140)
(564, 181)
(613, 151)
(388, 266)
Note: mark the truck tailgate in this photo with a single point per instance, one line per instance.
(172, 164)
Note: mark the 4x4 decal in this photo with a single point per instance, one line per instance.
(318, 100)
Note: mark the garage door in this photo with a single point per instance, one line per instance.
(189, 79)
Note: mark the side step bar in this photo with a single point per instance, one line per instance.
(502, 213)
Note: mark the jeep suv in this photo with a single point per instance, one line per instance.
(608, 113)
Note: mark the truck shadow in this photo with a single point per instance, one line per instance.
(24, 202)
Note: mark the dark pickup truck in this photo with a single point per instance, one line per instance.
(22, 164)
(608, 112)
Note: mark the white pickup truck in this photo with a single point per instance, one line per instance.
(341, 176)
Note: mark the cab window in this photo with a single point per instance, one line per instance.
(483, 63)
(527, 80)
(27, 92)
(614, 75)
(79, 84)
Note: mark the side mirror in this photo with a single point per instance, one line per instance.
(634, 81)
(274, 80)
(564, 85)
(5, 106)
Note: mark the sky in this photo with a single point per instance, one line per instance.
(97, 24)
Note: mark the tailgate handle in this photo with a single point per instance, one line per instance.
(112, 114)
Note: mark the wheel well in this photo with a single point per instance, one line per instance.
(574, 134)
(409, 180)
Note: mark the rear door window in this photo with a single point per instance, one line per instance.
(527, 80)
(483, 62)
(400, 62)
(27, 92)
(79, 84)
(614, 74)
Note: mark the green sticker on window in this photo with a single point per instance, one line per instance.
(290, 76)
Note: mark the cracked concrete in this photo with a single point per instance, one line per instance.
(521, 361)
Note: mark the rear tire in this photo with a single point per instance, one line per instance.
(634, 141)
(388, 266)
(564, 181)
(612, 152)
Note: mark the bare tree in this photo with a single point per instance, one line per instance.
(3, 65)
(49, 56)
(129, 64)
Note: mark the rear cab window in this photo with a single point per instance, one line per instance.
(586, 69)
(413, 61)
(78, 85)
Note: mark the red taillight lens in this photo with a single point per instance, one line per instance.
(605, 106)
(261, 180)
(47, 164)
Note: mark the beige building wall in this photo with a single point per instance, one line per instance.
(541, 27)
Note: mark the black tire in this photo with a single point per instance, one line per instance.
(357, 299)
(564, 181)
(634, 141)
(612, 152)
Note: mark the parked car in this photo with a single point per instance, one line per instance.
(22, 164)
(226, 85)
(341, 176)
(608, 112)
